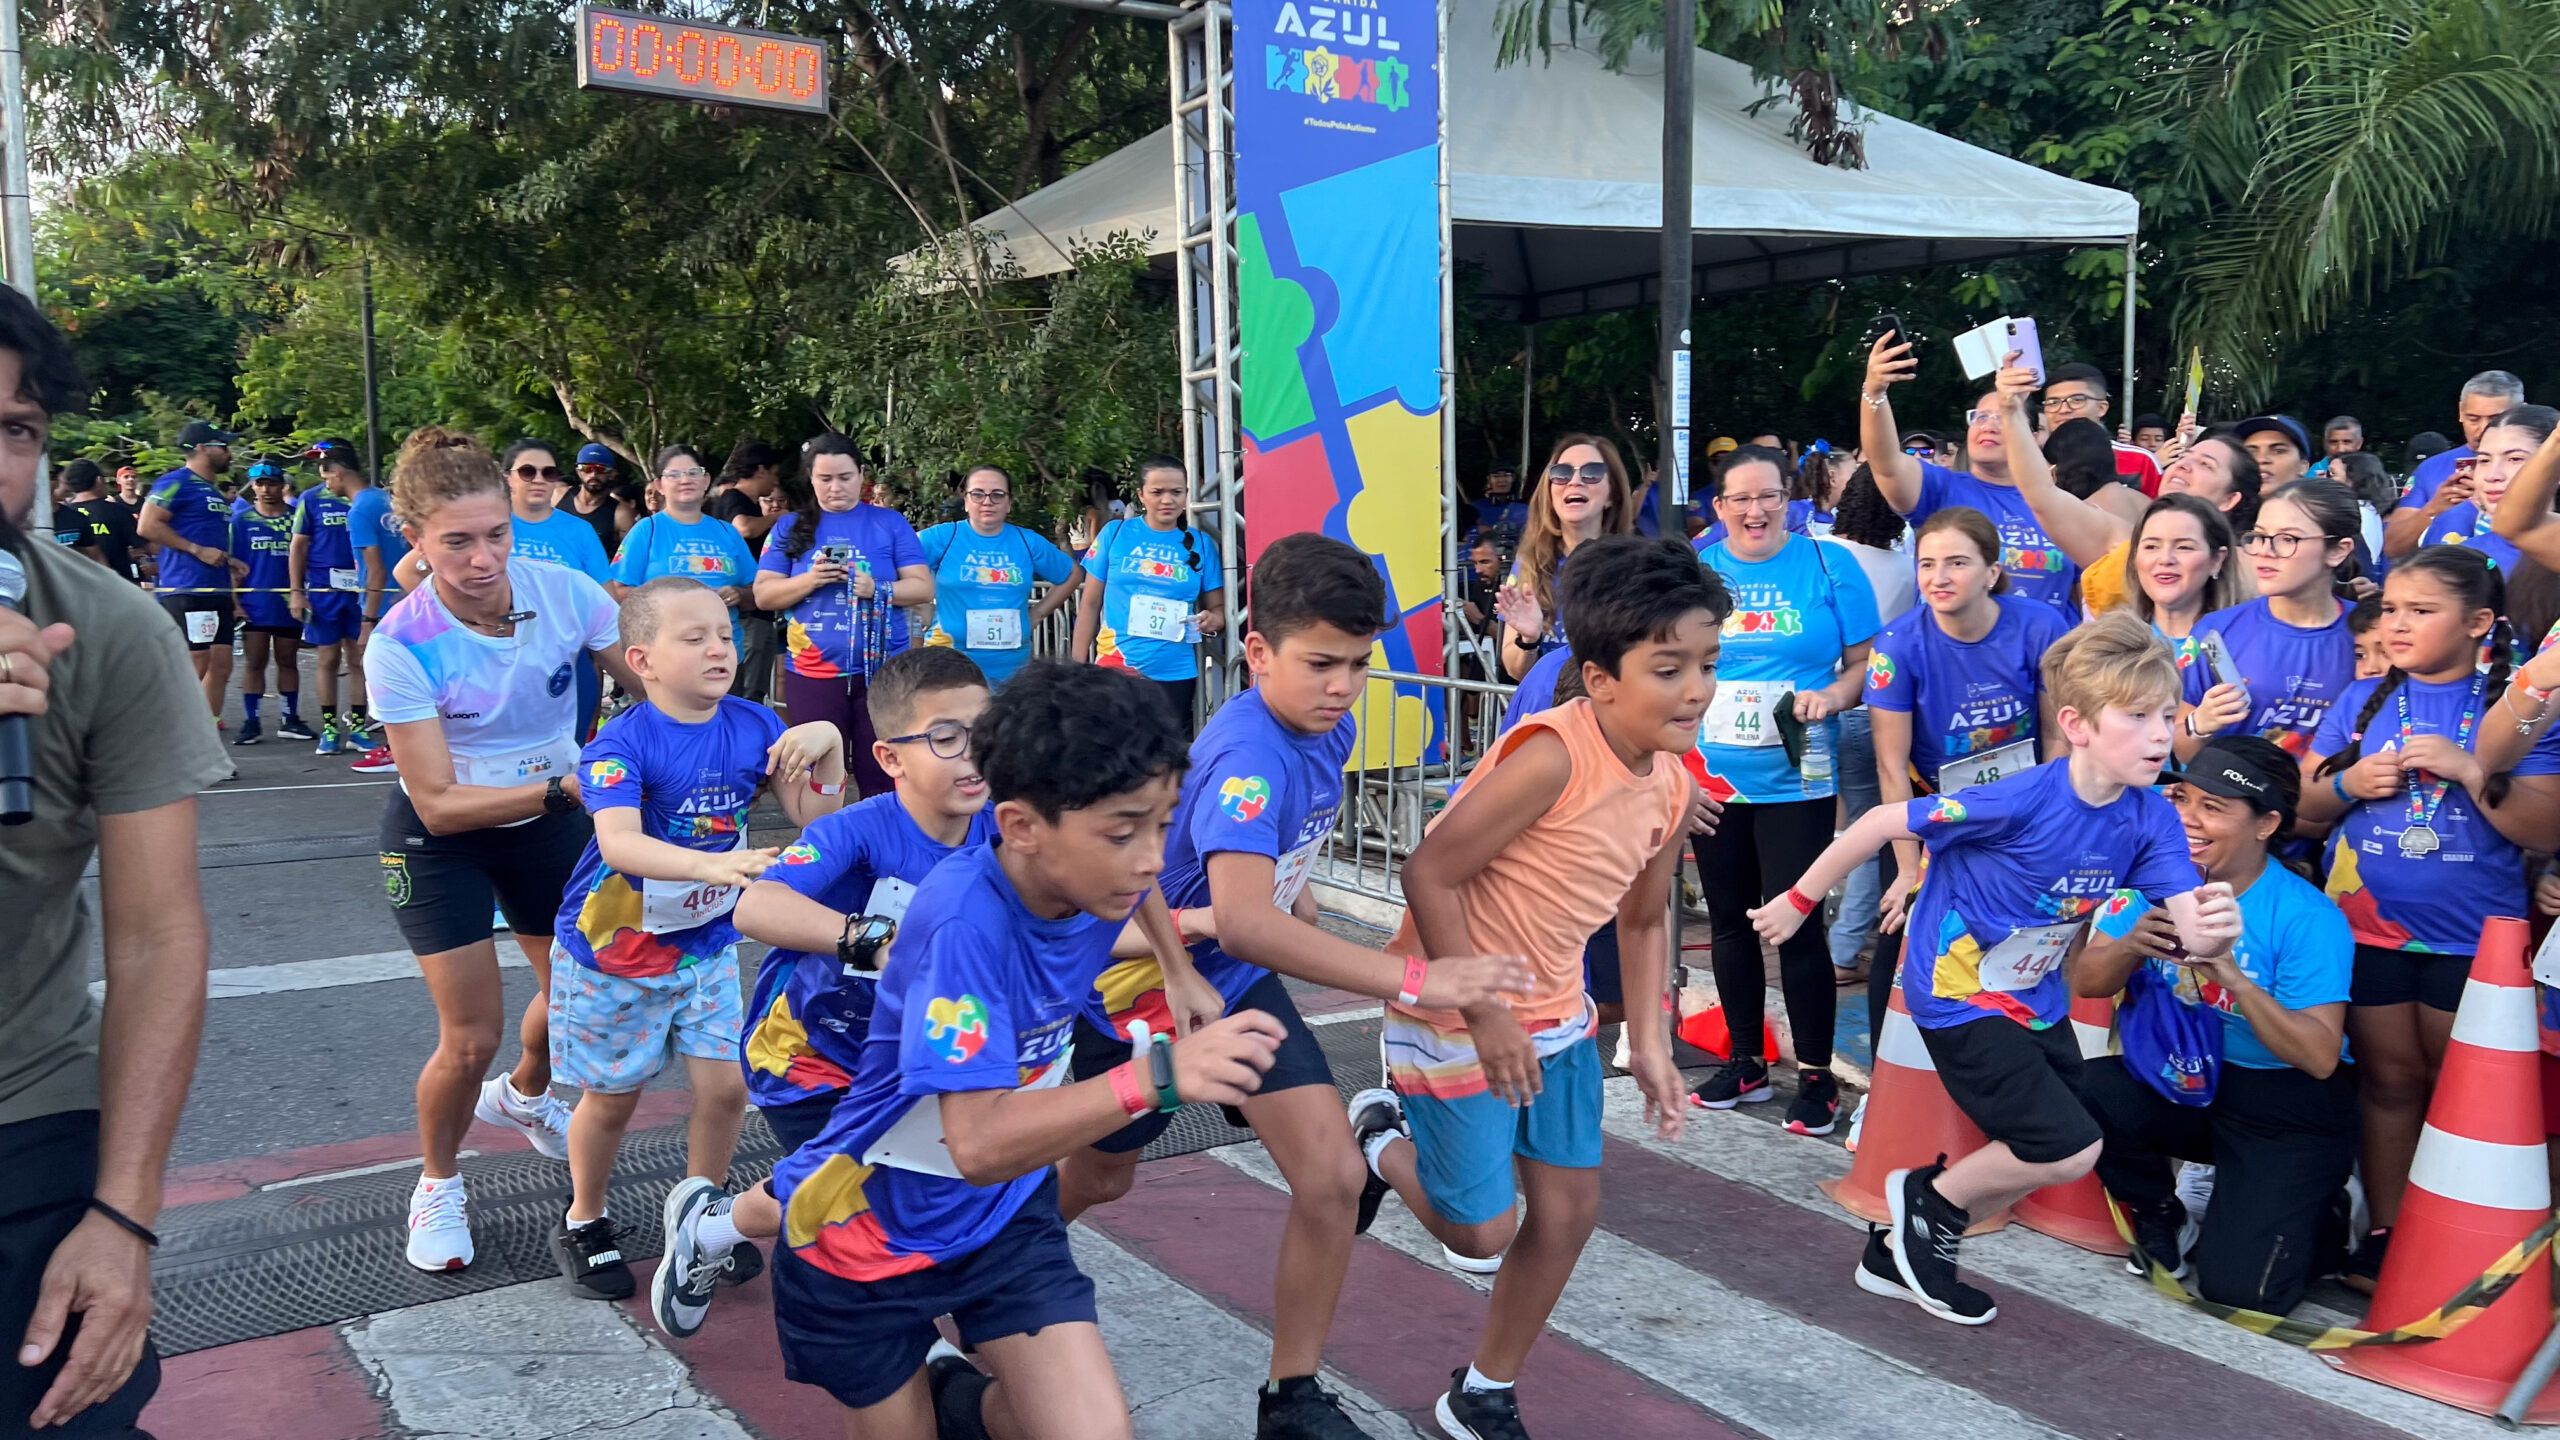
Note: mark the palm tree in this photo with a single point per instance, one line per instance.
(2340, 145)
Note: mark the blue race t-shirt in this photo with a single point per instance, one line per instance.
(1965, 700)
(830, 633)
(692, 785)
(1256, 787)
(2017, 862)
(2430, 476)
(2293, 944)
(330, 562)
(810, 1015)
(2036, 567)
(565, 541)
(266, 542)
(1793, 614)
(982, 591)
(2465, 525)
(2431, 903)
(707, 550)
(983, 997)
(1152, 584)
(2294, 675)
(1800, 521)
(201, 516)
(371, 522)
(1536, 690)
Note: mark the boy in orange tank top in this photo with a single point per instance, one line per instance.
(1576, 818)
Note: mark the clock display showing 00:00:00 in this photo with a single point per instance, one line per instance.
(644, 52)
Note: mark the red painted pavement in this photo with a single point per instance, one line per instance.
(2080, 1375)
(301, 1385)
(224, 1179)
(1402, 1325)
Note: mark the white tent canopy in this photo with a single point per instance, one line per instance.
(1555, 188)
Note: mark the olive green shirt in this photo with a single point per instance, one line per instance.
(124, 731)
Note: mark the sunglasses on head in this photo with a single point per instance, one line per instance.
(538, 472)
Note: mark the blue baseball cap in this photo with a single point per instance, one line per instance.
(265, 470)
(2284, 425)
(592, 454)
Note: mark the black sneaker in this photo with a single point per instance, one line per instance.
(1877, 1274)
(1927, 1231)
(1298, 1408)
(2364, 1268)
(296, 728)
(1373, 1113)
(591, 1262)
(249, 732)
(1466, 1414)
(959, 1394)
(2161, 1233)
(1736, 1082)
(1817, 1103)
(746, 1262)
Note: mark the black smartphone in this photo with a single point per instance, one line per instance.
(1887, 323)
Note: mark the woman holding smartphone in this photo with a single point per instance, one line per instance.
(837, 570)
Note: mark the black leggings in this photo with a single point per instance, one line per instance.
(1755, 854)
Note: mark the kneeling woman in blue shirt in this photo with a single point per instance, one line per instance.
(2279, 1120)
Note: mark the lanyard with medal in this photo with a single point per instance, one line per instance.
(2418, 839)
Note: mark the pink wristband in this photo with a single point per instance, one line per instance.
(1797, 898)
(1124, 1088)
(1416, 970)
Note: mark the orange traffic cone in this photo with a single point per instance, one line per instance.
(2076, 1214)
(1707, 1030)
(1910, 1123)
(2479, 1185)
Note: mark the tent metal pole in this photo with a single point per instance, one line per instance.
(2132, 244)
(1528, 393)
(1679, 137)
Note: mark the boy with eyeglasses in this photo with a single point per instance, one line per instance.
(2079, 392)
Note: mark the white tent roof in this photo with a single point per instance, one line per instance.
(1555, 188)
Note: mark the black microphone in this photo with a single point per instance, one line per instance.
(17, 760)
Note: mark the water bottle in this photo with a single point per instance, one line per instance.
(1817, 754)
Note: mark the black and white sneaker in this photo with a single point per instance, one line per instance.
(1877, 1274)
(1374, 1112)
(1466, 1414)
(1927, 1232)
(1735, 1082)
(591, 1260)
(680, 1291)
(2162, 1232)
(746, 1262)
(959, 1391)
(1299, 1408)
(1816, 1107)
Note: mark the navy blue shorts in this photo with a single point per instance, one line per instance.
(1600, 967)
(860, 1340)
(1299, 1061)
(799, 1122)
(336, 615)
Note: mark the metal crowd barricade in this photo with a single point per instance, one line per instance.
(1385, 805)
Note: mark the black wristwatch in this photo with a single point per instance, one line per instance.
(865, 936)
(556, 799)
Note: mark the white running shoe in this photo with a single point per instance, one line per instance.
(439, 1230)
(1470, 1264)
(1857, 1123)
(545, 1122)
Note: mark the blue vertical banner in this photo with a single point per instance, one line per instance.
(1340, 312)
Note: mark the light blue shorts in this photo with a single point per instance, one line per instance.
(611, 1033)
(1462, 1148)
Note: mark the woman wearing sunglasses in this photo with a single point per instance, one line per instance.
(983, 571)
(1154, 590)
(1584, 493)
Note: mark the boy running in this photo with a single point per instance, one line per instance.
(1254, 813)
(928, 1193)
(646, 914)
(2015, 869)
(1576, 817)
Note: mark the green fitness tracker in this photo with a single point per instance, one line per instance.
(1160, 1073)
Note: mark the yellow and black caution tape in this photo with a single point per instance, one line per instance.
(2475, 1296)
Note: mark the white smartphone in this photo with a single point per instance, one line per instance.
(2217, 655)
(1982, 348)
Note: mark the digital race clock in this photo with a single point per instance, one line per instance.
(688, 60)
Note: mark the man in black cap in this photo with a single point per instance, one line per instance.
(191, 523)
(2276, 1116)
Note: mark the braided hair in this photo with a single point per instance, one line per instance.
(2474, 584)
(1181, 521)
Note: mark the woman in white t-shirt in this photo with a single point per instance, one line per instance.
(474, 678)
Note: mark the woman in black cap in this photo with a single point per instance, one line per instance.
(2238, 1061)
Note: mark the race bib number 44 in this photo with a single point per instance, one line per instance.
(1744, 714)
